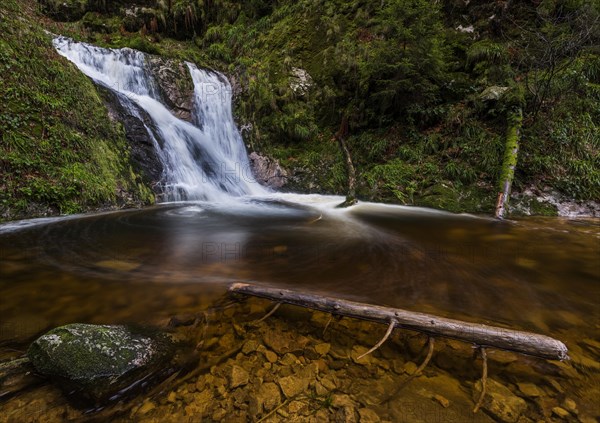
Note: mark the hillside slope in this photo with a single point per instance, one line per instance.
(59, 151)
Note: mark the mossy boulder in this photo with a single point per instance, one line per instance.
(64, 10)
(95, 362)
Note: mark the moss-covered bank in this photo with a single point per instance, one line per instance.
(59, 151)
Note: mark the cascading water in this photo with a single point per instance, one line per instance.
(202, 161)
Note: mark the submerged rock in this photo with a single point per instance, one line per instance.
(98, 361)
(500, 402)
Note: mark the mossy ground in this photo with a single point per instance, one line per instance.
(60, 153)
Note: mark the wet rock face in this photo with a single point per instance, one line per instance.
(143, 152)
(267, 172)
(175, 85)
(97, 361)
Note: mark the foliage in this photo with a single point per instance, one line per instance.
(58, 150)
(407, 77)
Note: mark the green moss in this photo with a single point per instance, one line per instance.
(60, 153)
(95, 362)
(511, 150)
(142, 44)
(64, 10)
(409, 81)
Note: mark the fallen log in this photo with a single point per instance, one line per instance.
(479, 334)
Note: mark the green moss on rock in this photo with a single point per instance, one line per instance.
(96, 361)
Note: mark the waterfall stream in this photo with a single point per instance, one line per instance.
(204, 160)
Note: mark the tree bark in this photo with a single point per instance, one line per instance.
(511, 153)
(341, 136)
(479, 334)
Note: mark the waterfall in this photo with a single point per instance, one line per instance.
(203, 160)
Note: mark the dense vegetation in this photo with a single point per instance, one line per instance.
(59, 152)
(428, 88)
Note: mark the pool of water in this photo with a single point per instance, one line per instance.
(142, 266)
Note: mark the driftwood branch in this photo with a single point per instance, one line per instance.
(479, 334)
(483, 381)
(380, 343)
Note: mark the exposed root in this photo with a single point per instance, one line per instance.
(380, 343)
(269, 314)
(430, 343)
(327, 324)
(483, 380)
(332, 317)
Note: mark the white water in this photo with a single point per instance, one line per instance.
(206, 161)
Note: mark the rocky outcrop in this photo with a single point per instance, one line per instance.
(546, 201)
(97, 361)
(135, 18)
(300, 81)
(143, 154)
(267, 171)
(175, 85)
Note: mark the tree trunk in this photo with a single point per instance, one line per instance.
(479, 334)
(341, 136)
(511, 152)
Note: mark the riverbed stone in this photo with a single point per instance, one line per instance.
(529, 389)
(271, 356)
(500, 401)
(293, 385)
(560, 412)
(323, 348)
(570, 405)
(96, 361)
(368, 416)
(239, 377)
(268, 396)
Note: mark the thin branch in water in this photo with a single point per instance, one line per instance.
(380, 343)
(430, 343)
(337, 318)
(483, 381)
(270, 313)
(327, 324)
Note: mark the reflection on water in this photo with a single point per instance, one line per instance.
(525, 273)
(144, 265)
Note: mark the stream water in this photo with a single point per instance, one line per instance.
(141, 266)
